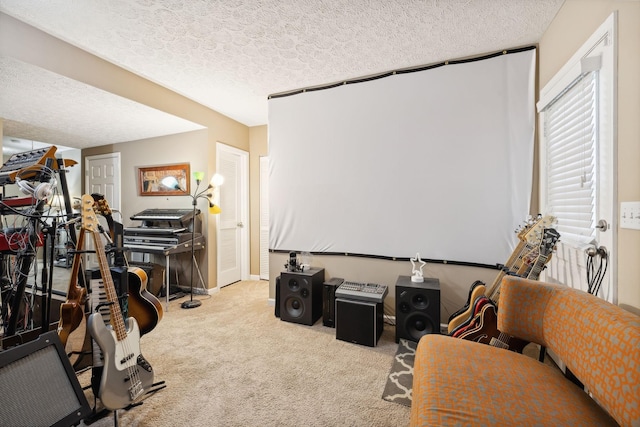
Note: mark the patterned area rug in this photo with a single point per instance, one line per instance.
(400, 380)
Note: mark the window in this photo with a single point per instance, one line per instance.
(577, 121)
(570, 133)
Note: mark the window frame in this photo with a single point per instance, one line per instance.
(598, 52)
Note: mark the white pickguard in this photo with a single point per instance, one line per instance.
(118, 387)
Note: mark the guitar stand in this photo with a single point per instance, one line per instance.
(155, 387)
(95, 415)
(98, 415)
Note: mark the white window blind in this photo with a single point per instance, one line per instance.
(577, 160)
(570, 126)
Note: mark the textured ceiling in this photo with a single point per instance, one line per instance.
(62, 111)
(229, 55)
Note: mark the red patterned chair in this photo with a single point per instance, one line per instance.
(463, 383)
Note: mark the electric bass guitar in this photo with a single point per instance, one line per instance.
(126, 373)
(142, 304)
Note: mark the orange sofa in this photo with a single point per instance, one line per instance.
(463, 383)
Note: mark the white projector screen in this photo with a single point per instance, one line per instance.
(437, 162)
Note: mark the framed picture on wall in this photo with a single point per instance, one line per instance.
(167, 180)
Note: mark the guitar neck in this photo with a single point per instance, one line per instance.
(513, 264)
(117, 321)
(74, 291)
(541, 261)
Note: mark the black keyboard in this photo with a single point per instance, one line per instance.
(163, 215)
(20, 161)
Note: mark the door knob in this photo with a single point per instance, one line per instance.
(602, 225)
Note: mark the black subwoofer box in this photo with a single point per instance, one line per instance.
(301, 296)
(417, 308)
(359, 322)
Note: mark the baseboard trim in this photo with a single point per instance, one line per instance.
(199, 290)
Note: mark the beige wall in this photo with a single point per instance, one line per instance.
(197, 148)
(575, 22)
(33, 46)
(192, 148)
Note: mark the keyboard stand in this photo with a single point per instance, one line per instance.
(166, 277)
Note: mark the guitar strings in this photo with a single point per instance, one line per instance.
(526, 248)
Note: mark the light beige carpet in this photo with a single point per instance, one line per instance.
(231, 362)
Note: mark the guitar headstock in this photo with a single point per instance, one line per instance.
(100, 205)
(548, 241)
(89, 220)
(533, 234)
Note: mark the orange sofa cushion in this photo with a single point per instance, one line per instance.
(460, 382)
(598, 341)
(463, 383)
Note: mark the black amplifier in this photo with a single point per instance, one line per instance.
(329, 301)
(359, 322)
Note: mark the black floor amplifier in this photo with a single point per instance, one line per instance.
(329, 301)
(359, 322)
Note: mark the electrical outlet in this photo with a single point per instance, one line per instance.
(630, 215)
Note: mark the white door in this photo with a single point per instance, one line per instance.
(102, 175)
(264, 218)
(233, 222)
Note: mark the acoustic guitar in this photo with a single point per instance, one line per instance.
(126, 373)
(142, 304)
(72, 311)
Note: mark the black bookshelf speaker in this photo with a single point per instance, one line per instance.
(329, 301)
(301, 296)
(417, 308)
(39, 386)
